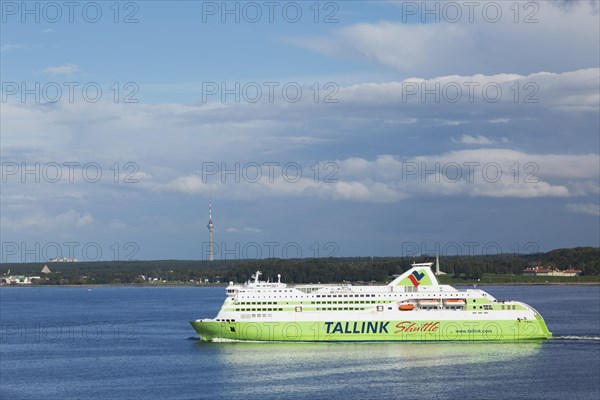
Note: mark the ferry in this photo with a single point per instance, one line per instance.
(413, 307)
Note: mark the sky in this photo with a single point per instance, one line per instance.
(315, 129)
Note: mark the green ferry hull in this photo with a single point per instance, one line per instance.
(412, 307)
(372, 331)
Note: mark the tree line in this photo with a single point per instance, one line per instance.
(305, 270)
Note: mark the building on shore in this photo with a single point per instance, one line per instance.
(63, 259)
(549, 271)
(19, 280)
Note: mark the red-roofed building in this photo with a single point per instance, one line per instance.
(548, 271)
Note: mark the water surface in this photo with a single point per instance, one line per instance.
(136, 343)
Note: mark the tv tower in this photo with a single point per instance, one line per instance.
(210, 231)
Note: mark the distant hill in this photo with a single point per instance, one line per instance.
(305, 270)
(585, 258)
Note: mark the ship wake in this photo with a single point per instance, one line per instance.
(576, 337)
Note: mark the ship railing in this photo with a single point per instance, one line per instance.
(526, 306)
(313, 288)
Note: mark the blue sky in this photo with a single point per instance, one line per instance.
(460, 128)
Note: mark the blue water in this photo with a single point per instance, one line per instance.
(136, 343)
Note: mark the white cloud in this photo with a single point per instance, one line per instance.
(584, 187)
(69, 219)
(481, 172)
(584, 208)
(479, 140)
(453, 123)
(519, 190)
(569, 91)
(186, 184)
(218, 131)
(283, 132)
(464, 47)
(16, 197)
(243, 230)
(67, 69)
(7, 47)
(531, 166)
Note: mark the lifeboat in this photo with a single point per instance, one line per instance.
(429, 302)
(454, 302)
(406, 307)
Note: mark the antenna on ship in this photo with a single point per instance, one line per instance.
(210, 231)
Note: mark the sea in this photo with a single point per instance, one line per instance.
(136, 343)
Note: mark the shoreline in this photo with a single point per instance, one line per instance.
(478, 284)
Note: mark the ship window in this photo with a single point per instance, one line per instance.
(379, 308)
(298, 309)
